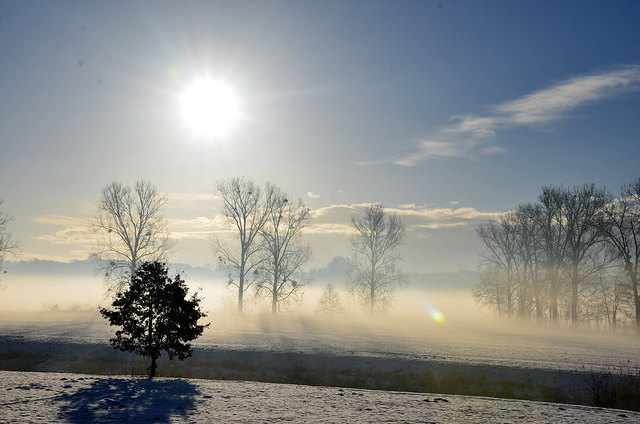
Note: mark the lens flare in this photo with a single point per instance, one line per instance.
(437, 316)
(427, 306)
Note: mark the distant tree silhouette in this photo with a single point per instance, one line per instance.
(155, 315)
(132, 228)
(375, 255)
(246, 209)
(7, 243)
(549, 218)
(490, 289)
(620, 223)
(501, 239)
(285, 253)
(583, 206)
(529, 278)
(330, 303)
(555, 251)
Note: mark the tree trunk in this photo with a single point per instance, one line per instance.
(132, 265)
(152, 368)
(522, 301)
(241, 284)
(509, 296)
(553, 306)
(553, 297)
(274, 295)
(372, 293)
(574, 295)
(498, 301)
(636, 299)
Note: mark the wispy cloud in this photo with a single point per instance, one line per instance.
(328, 228)
(76, 235)
(468, 135)
(61, 220)
(438, 225)
(76, 230)
(192, 235)
(198, 228)
(335, 219)
(312, 195)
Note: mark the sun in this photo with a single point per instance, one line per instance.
(209, 108)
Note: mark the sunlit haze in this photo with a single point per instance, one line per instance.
(435, 182)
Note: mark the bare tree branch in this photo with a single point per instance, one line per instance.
(375, 255)
(246, 209)
(8, 244)
(284, 250)
(620, 223)
(133, 230)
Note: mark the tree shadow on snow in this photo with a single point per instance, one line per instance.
(130, 400)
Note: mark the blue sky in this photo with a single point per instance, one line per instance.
(446, 112)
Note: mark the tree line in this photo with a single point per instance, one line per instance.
(267, 254)
(569, 258)
(153, 311)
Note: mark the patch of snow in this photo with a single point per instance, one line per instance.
(32, 397)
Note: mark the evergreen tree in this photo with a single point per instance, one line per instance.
(155, 315)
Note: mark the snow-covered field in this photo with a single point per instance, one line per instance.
(398, 354)
(31, 397)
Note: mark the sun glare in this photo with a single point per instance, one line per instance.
(437, 316)
(209, 108)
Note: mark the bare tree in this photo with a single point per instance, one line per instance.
(583, 206)
(511, 268)
(610, 291)
(375, 255)
(285, 253)
(552, 241)
(527, 259)
(490, 289)
(133, 230)
(246, 209)
(554, 250)
(501, 239)
(330, 303)
(620, 223)
(8, 245)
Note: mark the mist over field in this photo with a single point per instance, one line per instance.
(432, 339)
(413, 207)
(422, 323)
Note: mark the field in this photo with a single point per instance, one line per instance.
(395, 354)
(55, 397)
(333, 368)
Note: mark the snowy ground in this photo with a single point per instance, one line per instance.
(31, 397)
(456, 358)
